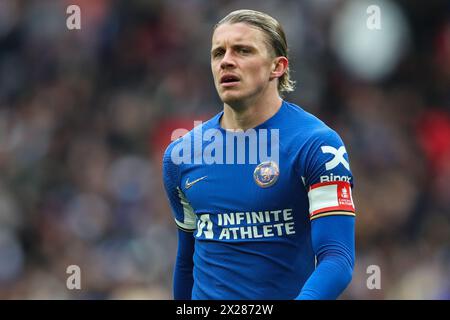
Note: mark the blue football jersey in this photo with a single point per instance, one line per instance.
(249, 197)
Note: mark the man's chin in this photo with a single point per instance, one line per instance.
(231, 99)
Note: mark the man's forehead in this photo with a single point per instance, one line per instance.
(236, 33)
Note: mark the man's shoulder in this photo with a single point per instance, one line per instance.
(189, 136)
(305, 126)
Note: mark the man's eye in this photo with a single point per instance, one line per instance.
(244, 50)
(217, 54)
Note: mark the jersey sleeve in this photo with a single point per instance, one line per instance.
(333, 241)
(327, 176)
(182, 211)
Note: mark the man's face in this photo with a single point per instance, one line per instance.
(240, 61)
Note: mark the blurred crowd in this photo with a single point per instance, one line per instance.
(85, 116)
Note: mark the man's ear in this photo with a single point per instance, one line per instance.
(279, 67)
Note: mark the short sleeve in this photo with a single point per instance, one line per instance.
(182, 211)
(327, 175)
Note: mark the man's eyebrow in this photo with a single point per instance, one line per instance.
(214, 49)
(237, 45)
(243, 45)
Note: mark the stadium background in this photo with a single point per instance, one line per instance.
(86, 114)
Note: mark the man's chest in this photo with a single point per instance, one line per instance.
(226, 188)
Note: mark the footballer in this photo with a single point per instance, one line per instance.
(262, 192)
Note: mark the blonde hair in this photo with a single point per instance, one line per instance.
(274, 35)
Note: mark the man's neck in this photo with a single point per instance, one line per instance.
(251, 115)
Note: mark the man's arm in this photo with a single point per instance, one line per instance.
(185, 220)
(182, 276)
(334, 245)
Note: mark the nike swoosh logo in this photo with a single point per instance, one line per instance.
(190, 184)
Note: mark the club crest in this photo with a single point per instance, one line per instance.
(266, 174)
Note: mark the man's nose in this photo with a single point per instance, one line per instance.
(227, 60)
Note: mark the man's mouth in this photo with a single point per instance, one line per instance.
(229, 80)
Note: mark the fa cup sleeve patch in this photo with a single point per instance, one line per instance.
(330, 198)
